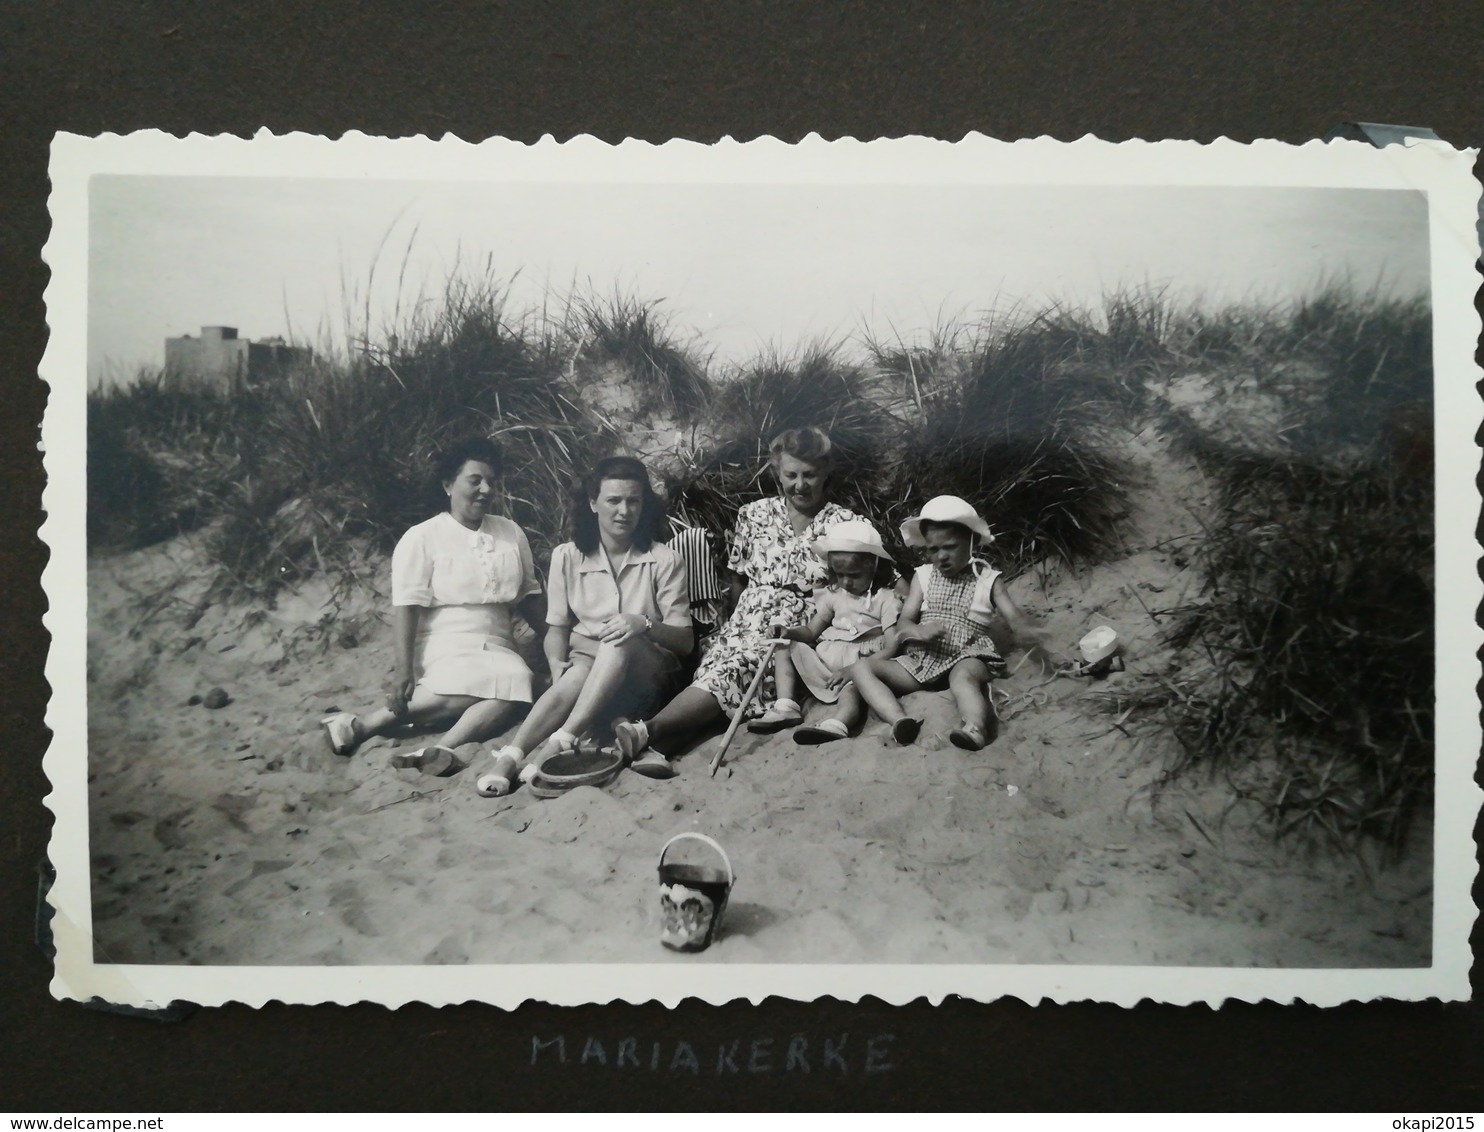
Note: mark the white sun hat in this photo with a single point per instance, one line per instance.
(1099, 644)
(852, 536)
(945, 509)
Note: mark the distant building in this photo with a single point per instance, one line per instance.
(222, 361)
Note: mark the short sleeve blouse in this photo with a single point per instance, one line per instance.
(852, 617)
(443, 562)
(764, 549)
(584, 593)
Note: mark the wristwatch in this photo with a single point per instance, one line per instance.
(648, 623)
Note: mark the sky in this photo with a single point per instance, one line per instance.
(741, 267)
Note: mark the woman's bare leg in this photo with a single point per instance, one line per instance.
(692, 709)
(478, 723)
(553, 707)
(424, 707)
(604, 679)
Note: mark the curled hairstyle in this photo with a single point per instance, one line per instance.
(810, 444)
(451, 461)
(650, 528)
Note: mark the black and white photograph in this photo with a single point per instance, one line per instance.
(579, 572)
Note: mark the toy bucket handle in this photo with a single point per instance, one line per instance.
(731, 876)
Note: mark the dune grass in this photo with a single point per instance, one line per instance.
(1312, 647)
(1019, 422)
(727, 465)
(1317, 636)
(159, 458)
(659, 376)
(345, 449)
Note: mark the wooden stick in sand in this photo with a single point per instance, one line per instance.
(762, 670)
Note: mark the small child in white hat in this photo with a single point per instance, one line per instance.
(851, 618)
(942, 637)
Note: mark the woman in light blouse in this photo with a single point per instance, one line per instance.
(455, 579)
(618, 619)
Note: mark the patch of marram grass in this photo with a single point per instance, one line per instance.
(627, 344)
(727, 466)
(1315, 633)
(158, 459)
(1023, 428)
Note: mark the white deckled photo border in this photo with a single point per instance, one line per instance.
(1440, 172)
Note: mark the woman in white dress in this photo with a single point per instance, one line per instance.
(455, 579)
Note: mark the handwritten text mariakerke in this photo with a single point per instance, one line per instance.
(797, 1054)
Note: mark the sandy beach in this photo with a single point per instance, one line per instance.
(231, 835)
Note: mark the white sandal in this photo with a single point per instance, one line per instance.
(500, 780)
(560, 742)
(340, 730)
(632, 736)
(783, 714)
(435, 760)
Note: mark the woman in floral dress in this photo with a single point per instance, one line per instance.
(775, 572)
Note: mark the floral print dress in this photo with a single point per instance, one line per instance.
(782, 574)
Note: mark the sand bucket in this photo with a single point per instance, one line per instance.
(693, 898)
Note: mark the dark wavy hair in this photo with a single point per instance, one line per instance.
(651, 527)
(452, 460)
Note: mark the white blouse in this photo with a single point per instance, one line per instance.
(442, 562)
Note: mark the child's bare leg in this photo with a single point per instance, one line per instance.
(785, 710)
(969, 682)
(879, 681)
(842, 722)
(849, 708)
(785, 675)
